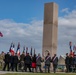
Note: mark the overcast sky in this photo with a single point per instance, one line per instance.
(22, 21)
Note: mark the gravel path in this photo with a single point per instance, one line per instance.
(4, 72)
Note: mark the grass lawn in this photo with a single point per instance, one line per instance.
(39, 74)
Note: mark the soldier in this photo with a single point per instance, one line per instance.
(1, 58)
(47, 62)
(38, 63)
(55, 62)
(21, 64)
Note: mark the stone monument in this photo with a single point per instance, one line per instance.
(50, 29)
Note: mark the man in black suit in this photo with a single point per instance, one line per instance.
(15, 62)
(67, 59)
(6, 60)
(55, 62)
(27, 62)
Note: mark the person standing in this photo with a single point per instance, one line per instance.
(55, 62)
(34, 63)
(74, 63)
(47, 62)
(27, 62)
(67, 62)
(11, 62)
(21, 63)
(6, 60)
(15, 62)
(71, 63)
(38, 63)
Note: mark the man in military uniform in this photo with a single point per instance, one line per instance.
(21, 63)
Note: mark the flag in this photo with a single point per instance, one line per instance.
(34, 51)
(26, 50)
(18, 49)
(74, 48)
(1, 35)
(70, 44)
(12, 49)
(31, 51)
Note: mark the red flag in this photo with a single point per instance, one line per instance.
(1, 35)
(12, 49)
(18, 49)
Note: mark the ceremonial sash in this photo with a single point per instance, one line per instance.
(47, 58)
(37, 58)
(54, 58)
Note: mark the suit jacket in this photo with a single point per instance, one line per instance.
(27, 60)
(55, 60)
(67, 59)
(38, 61)
(7, 58)
(47, 60)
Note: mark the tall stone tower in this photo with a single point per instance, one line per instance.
(50, 29)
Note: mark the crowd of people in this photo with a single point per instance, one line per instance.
(26, 62)
(70, 62)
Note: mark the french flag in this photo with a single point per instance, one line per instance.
(12, 49)
(18, 49)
